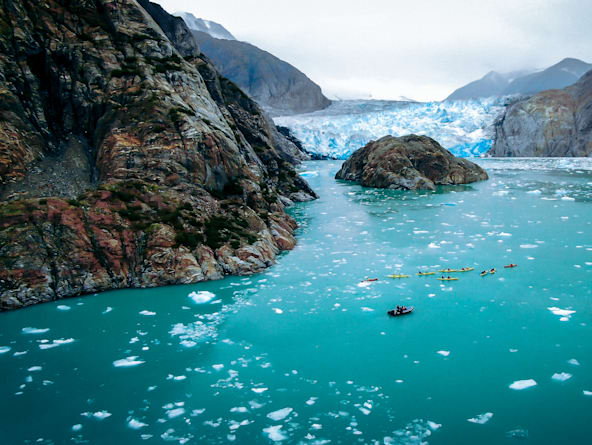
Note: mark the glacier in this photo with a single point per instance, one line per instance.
(465, 128)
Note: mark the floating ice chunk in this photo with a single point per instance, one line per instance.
(109, 309)
(218, 367)
(565, 314)
(561, 376)
(147, 313)
(367, 309)
(34, 368)
(275, 433)
(311, 401)
(56, 343)
(136, 424)
(34, 330)
(239, 409)
(505, 234)
(444, 353)
(4, 349)
(433, 246)
(277, 310)
(517, 434)
(501, 193)
(587, 393)
(434, 426)
(567, 198)
(481, 418)
(188, 343)
(176, 412)
(76, 427)
(101, 415)
(528, 246)
(127, 362)
(258, 390)
(280, 414)
(63, 307)
(573, 362)
(534, 192)
(523, 384)
(201, 296)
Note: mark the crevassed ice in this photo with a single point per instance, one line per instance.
(463, 127)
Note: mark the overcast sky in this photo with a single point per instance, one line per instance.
(422, 49)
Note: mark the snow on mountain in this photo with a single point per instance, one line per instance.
(463, 127)
(212, 28)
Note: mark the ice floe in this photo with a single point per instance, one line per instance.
(63, 307)
(587, 393)
(561, 376)
(481, 418)
(148, 313)
(280, 414)
(34, 331)
(573, 362)
(564, 314)
(523, 384)
(127, 362)
(443, 353)
(55, 343)
(275, 433)
(201, 296)
(4, 349)
(35, 369)
(135, 424)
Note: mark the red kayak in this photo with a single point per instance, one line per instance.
(369, 280)
(393, 312)
(510, 266)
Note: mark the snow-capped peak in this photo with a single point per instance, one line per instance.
(212, 28)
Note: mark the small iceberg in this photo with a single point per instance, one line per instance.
(561, 376)
(148, 313)
(280, 414)
(523, 384)
(443, 353)
(127, 362)
(481, 418)
(34, 331)
(63, 307)
(275, 433)
(201, 297)
(4, 349)
(136, 424)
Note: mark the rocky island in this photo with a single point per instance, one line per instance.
(408, 163)
(126, 159)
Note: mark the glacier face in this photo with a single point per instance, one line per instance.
(463, 127)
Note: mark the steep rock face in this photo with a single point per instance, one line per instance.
(553, 123)
(126, 159)
(273, 83)
(214, 29)
(408, 163)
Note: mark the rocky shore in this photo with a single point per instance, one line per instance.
(126, 160)
(408, 163)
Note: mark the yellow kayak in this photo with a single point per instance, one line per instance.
(484, 273)
(448, 279)
(423, 274)
(398, 276)
(467, 269)
(492, 271)
(448, 270)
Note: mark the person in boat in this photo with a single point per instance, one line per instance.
(483, 272)
(492, 270)
(397, 310)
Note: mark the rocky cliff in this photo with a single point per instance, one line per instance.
(126, 160)
(553, 123)
(408, 163)
(276, 85)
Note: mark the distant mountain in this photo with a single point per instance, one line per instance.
(563, 74)
(525, 82)
(277, 86)
(212, 28)
(492, 84)
(552, 123)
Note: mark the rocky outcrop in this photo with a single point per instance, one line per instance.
(408, 163)
(276, 85)
(212, 28)
(554, 123)
(126, 160)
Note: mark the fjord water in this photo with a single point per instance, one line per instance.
(303, 353)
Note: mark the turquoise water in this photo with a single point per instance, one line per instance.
(304, 353)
